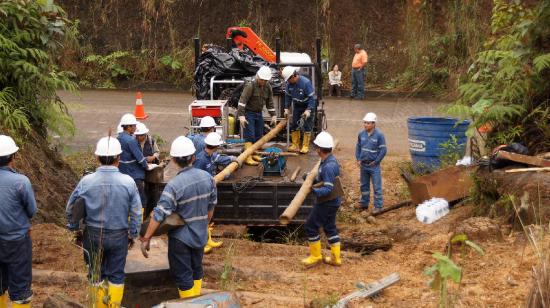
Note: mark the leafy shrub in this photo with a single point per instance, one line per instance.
(30, 32)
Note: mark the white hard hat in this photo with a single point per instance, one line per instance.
(108, 146)
(207, 121)
(128, 119)
(324, 140)
(141, 129)
(369, 117)
(213, 139)
(7, 146)
(264, 73)
(288, 71)
(119, 128)
(182, 147)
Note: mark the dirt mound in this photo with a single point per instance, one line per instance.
(52, 179)
(480, 229)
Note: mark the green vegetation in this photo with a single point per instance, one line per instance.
(445, 269)
(441, 38)
(30, 33)
(507, 86)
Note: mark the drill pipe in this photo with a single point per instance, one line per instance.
(244, 155)
(301, 195)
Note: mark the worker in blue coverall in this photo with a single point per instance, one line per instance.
(192, 195)
(17, 208)
(300, 95)
(113, 220)
(323, 213)
(369, 152)
(132, 161)
(209, 160)
(207, 125)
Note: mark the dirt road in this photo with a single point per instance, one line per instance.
(95, 111)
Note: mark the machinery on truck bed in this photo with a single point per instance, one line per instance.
(254, 195)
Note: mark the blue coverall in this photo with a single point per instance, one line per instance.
(17, 208)
(191, 194)
(209, 163)
(198, 141)
(370, 150)
(303, 96)
(133, 163)
(110, 198)
(324, 214)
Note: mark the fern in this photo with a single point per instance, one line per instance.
(542, 62)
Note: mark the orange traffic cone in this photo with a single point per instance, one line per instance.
(139, 112)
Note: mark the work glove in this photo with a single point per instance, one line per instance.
(243, 120)
(156, 155)
(151, 166)
(234, 159)
(273, 120)
(306, 114)
(286, 113)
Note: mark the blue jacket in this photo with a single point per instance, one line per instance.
(328, 171)
(191, 194)
(210, 163)
(132, 161)
(301, 93)
(198, 142)
(17, 205)
(370, 148)
(110, 197)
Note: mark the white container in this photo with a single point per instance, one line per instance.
(431, 210)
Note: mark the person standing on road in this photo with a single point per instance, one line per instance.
(132, 161)
(369, 152)
(113, 220)
(335, 81)
(255, 96)
(207, 125)
(17, 208)
(192, 195)
(146, 143)
(299, 95)
(358, 71)
(328, 201)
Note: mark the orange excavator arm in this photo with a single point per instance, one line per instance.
(245, 37)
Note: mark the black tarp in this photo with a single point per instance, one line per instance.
(237, 64)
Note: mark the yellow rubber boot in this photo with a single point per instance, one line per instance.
(187, 293)
(116, 291)
(16, 305)
(197, 286)
(305, 143)
(210, 242)
(314, 254)
(334, 258)
(100, 296)
(249, 160)
(4, 300)
(295, 138)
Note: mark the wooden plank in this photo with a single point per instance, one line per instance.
(536, 169)
(524, 159)
(370, 290)
(393, 207)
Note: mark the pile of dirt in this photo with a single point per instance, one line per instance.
(52, 179)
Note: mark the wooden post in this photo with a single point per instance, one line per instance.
(244, 155)
(301, 195)
(295, 174)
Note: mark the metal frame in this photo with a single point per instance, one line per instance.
(195, 128)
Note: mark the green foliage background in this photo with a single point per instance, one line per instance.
(507, 87)
(31, 32)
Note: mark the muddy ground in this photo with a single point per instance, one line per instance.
(500, 278)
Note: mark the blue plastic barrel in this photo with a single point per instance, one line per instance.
(427, 134)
